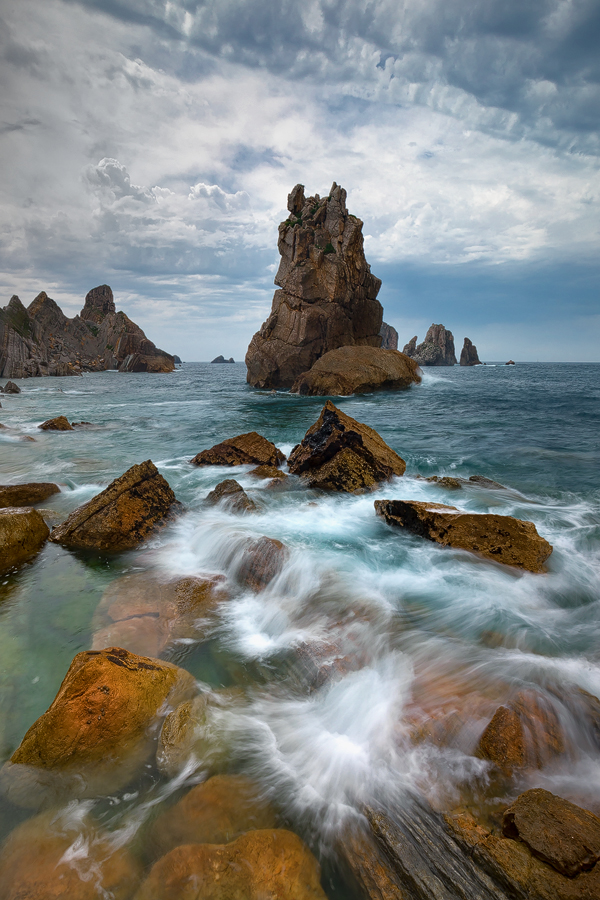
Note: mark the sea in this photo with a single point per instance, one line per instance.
(416, 635)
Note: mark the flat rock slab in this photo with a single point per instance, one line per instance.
(22, 534)
(26, 494)
(245, 449)
(358, 370)
(60, 423)
(123, 515)
(500, 538)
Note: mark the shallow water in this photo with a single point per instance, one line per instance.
(416, 631)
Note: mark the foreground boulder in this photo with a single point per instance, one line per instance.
(60, 423)
(328, 296)
(338, 453)
(436, 350)
(524, 733)
(245, 449)
(500, 538)
(99, 730)
(261, 561)
(22, 534)
(468, 354)
(123, 515)
(232, 495)
(26, 494)
(358, 370)
(272, 864)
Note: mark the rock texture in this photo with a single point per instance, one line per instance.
(245, 449)
(503, 539)
(358, 370)
(60, 423)
(122, 515)
(328, 296)
(41, 340)
(389, 337)
(26, 494)
(340, 454)
(436, 350)
(233, 496)
(261, 561)
(468, 354)
(22, 534)
(524, 733)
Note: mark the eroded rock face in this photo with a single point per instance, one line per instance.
(340, 454)
(245, 449)
(41, 340)
(328, 296)
(389, 337)
(99, 730)
(22, 534)
(436, 350)
(232, 495)
(468, 354)
(500, 538)
(26, 494)
(358, 370)
(60, 423)
(123, 515)
(258, 865)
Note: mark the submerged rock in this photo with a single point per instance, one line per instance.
(389, 337)
(26, 494)
(268, 472)
(232, 495)
(328, 296)
(245, 449)
(261, 562)
(99, 730)
(258, 865)
(357, 370)
(123, 515)
(22, 534)
(436, 350)
(340, 454)
(524, 733)
(60, 423)
(468, 354)
(503, 539)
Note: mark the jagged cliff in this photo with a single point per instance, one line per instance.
(468, 354)
(328, 296)
(436, 350)
(41, 340)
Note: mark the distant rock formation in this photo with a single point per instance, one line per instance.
(389, 337)
(511, 362)
(328, 296)
(436, 350)
(41, 340)
(221, 359)
(177, 360)
(468, 354)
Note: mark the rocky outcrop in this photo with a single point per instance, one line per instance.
(261, 562)
(59, 423)
(26, 494)
(233, 496)
(511, 362)
(221, 359)
(245, 449)
(358, 370)
(503, 539)
(524, 733)
(41, 340)
(328, 296)
(123, 515)
(11, 388)
(338, 453)
(468, 354)
(268, 472)
(22, 534)
(436, 350)
(389, 337)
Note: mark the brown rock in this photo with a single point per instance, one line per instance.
(328, 296)
(503, 741)
(389, 337)
(11, 388)
(26, 494)
(35, 864)
(217, 811)
(500, 538)
(468, 355)
(261, 561)
(99, 730)
(268, 472)
(22, 534)
(436, 350)
(60, 423)
(242, 450)
(338, 453)
(446, 481)
(232, 495)
(511, 362)
(273, 864)
(358, 370)
(121, 516)
(368, 869)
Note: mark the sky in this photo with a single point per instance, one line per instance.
(151, 145)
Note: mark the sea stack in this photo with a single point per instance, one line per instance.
(468, 354)
(327, 297)
(436, 350)
(389, 337)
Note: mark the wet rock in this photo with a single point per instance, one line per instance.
(436, 350)
(511, 362)
(217, 811)
(268, 472)
(232, 495)
(22, 534)
(261, 562)
(358, 370)
(328, 296)
(146, 615)
(525, 733)
(221, 359)
(39, 861)
(367, 868)
(389, 337)
(11, 388)
(242, 450)
(482, 481)
(468, 354)
(80, 424)
(503, 741)
(99, 730)
(123, 515)
(340, 454)
(26, 494)
(447, 481)
(258, 865)
(60, 423)
(503, 539)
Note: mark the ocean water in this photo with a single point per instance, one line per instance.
(415, 636)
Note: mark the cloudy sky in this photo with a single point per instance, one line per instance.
(151, 144)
